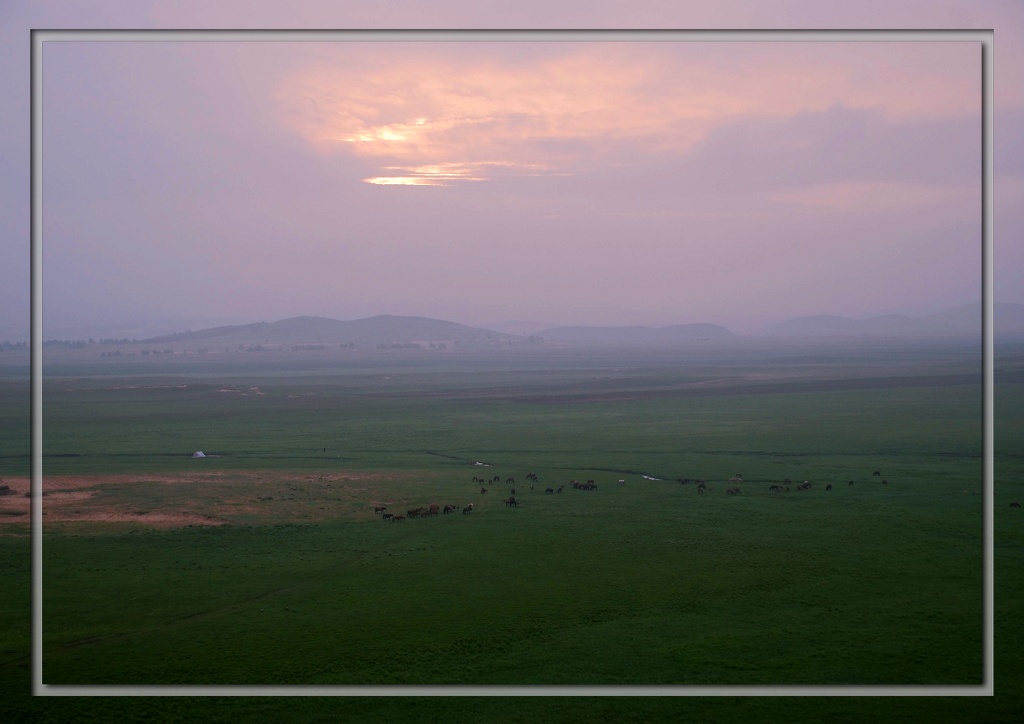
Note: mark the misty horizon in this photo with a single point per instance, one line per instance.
(486, 183)
(146, 328)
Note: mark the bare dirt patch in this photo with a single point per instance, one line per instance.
(14, 505)
(62, 495)
(156, 520)
(205, 498)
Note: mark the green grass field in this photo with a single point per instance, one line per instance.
(293, 579)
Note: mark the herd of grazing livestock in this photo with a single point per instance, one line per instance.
(421, 512)
(511, 502)
(784, 487)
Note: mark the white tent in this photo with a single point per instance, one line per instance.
(199, 454)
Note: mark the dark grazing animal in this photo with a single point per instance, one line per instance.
(1015, 504)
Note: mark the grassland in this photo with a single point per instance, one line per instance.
(266, 564)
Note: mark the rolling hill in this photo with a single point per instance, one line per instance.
(369, 332)
(962, 323)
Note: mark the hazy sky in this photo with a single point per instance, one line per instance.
(563, 182)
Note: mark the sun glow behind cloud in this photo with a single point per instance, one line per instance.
(445, 174)
(403, 181)
(432, 175)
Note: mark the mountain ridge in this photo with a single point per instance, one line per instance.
(963, 322)
(383, 329)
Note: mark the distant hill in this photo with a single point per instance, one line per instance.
(369, 332)
(678, 334)
(957, 323)
(386, 330)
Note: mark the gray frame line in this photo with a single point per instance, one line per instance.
(36, 347)
(988, 354)
(986, 39)
(510, 690)
(547, 35)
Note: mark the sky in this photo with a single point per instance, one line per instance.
(564, 182)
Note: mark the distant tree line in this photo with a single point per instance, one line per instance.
(6, 346)
(68, 343)
(144, 352)
(260, 347)
(80, 343)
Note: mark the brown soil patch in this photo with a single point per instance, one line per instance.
(69, 495)
(157, 520)
(203, 498)
(14, 506)
(19, 486)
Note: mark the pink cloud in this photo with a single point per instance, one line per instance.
(562, 106)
